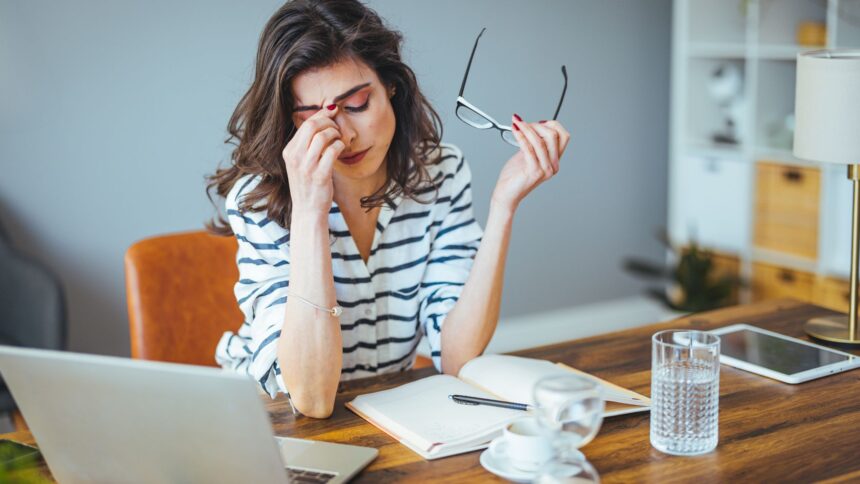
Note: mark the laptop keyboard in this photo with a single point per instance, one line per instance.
(303, 475)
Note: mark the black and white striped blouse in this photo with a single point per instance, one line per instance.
(419, 262)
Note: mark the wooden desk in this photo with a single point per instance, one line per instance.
(769, 431)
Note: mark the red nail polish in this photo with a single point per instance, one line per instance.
(516, 128)
(331, 107)
(542, 121)
(517, 117)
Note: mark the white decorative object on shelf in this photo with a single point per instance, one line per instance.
(726, 87)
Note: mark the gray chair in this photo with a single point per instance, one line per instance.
(32, 307)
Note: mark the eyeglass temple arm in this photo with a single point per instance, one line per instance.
(564, 90)
(469, 65)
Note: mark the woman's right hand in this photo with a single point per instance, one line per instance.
(309, 158)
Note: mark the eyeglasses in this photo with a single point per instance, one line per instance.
(473, 116)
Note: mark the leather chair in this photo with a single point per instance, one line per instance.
(180, 297)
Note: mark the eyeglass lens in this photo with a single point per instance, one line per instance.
(472, 118)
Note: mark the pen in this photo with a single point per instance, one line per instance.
(467, 400)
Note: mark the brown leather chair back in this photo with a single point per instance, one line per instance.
(180, 296)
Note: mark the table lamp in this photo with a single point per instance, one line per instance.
(827, 129)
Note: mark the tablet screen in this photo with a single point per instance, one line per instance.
(777, 354)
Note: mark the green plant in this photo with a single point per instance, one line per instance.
(18, 468)
(691, 283)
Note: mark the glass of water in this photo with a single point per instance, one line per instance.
(570, 410)
(685, 391)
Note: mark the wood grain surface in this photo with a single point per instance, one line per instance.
(769, 431)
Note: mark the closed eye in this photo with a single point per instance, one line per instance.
(359, 109)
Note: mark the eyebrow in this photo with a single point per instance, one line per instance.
(340, 97)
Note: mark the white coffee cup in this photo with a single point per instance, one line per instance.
(524, 444)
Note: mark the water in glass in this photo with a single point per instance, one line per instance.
(685, 389)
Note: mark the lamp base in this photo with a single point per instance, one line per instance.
(831, 328)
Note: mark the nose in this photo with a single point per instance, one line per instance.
(347, 131)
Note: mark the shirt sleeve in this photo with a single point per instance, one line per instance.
(261, 291)
(452, 253)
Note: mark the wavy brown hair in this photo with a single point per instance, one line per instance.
(308, 34)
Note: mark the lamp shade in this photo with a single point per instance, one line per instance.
(827, 106)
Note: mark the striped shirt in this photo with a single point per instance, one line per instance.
(420, 259)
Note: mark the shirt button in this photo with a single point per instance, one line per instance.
(368, 312)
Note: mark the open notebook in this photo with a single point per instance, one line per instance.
(422, 417)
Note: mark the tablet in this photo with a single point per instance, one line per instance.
(780, 357)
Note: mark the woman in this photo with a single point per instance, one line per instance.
(355, 225)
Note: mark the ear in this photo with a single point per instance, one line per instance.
(392, 91)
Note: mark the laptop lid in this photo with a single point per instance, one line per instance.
(109, 419)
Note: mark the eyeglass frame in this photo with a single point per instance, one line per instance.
(461, 101)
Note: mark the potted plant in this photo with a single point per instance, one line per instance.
(689, 282)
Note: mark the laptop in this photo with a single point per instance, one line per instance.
(117, 420)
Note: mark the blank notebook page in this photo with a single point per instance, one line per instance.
(421, 412)
(509, 377)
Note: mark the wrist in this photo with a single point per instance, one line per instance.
(501, 207)
(500, 215)
(309, 218)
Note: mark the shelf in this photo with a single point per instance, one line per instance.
(784, 260)
(779, 20)
(782, 52)
(713, 187)
(709, 149)
(764, 153)
(736, 152)
(708, 50)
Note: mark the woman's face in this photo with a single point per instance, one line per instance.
(365, 116)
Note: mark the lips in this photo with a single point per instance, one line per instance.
(352, 158)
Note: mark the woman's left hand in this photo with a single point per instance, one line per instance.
(541, 147)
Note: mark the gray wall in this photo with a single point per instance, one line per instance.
(111, 113)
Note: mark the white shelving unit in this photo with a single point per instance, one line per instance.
(712, 186)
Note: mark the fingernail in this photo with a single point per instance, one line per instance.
(542, 121)
(517, 117)
(331, 107)
(516, 128)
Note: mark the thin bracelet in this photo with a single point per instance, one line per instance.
(334, 310)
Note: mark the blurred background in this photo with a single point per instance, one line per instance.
(112, 112)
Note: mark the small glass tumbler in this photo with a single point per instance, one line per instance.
(685, 391)
(569, 407)
(570, 410)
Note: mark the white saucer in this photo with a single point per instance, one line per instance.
(504, 469)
